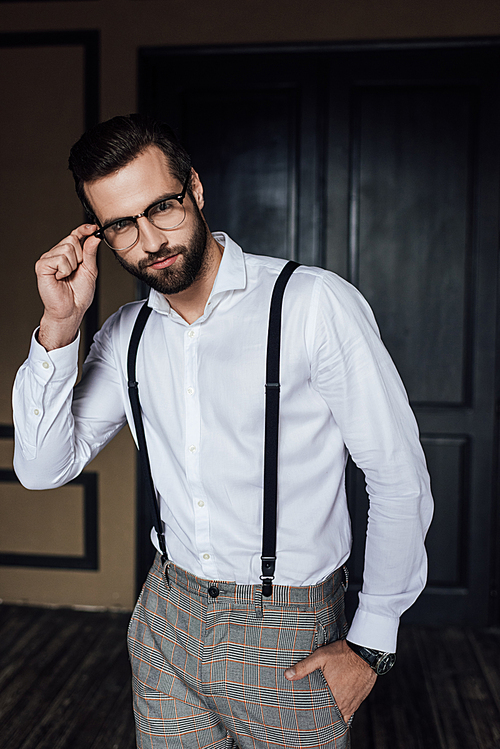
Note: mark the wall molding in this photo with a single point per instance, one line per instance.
(90, 41)
(90, 558)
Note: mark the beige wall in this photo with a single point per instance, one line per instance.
(42, 94)
(41, 91)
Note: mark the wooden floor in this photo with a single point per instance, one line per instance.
(65, 684)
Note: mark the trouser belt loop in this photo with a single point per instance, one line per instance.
(257, 601)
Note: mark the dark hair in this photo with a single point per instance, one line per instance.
(113, 144)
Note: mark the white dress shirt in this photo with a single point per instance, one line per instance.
(201, 388)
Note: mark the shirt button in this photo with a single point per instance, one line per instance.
(201, 503)
(192, 448)
(191, 333)
(190, 391)
(206, 556)
(36, 412)
(45, 365)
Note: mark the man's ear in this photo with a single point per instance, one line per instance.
(197, 189)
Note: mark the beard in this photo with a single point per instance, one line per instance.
(174, 279)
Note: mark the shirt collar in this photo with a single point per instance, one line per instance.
(230, 276)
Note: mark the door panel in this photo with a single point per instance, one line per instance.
(253, 128)
(414, 246)
(449, 459)
(248, 165)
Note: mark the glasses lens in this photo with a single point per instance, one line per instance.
(121, 235)
(167, 214)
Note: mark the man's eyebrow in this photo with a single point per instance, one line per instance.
(165, 196)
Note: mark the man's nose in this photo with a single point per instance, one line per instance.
(150, 237)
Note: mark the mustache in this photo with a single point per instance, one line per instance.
(162, 253)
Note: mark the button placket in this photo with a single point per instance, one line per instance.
(192, 409)
(193, 447)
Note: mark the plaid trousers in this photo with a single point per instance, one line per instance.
(208, 661)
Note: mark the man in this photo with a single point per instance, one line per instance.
(215, 662)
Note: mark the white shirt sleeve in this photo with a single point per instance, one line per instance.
(51, 445)
(355, 375)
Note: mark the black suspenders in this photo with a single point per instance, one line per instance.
(271, 428)
(133, 394)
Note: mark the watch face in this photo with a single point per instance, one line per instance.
(385, 663)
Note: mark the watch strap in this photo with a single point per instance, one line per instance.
(379, 660)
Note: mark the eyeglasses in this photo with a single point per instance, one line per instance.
(167, 213)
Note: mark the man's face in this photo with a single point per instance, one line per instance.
(168, 261)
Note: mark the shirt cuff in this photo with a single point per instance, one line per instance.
(60, 363)
(374, 631)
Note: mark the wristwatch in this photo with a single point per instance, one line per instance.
(378, 660)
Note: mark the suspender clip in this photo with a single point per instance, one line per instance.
(267, 576)
(268, 564)
(267, 586)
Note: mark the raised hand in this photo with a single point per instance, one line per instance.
(66, 277)
(350, 679)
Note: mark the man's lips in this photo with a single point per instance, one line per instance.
(164, 262)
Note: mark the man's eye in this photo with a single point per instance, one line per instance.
(121, 226)
(163, 207)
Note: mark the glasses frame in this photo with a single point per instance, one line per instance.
(179, 197)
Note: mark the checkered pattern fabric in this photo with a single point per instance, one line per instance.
(208, 671)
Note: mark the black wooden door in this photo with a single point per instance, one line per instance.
(380, 164)
(251, 124)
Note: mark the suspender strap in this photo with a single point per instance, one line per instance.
(271, 429)
(133, 392)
